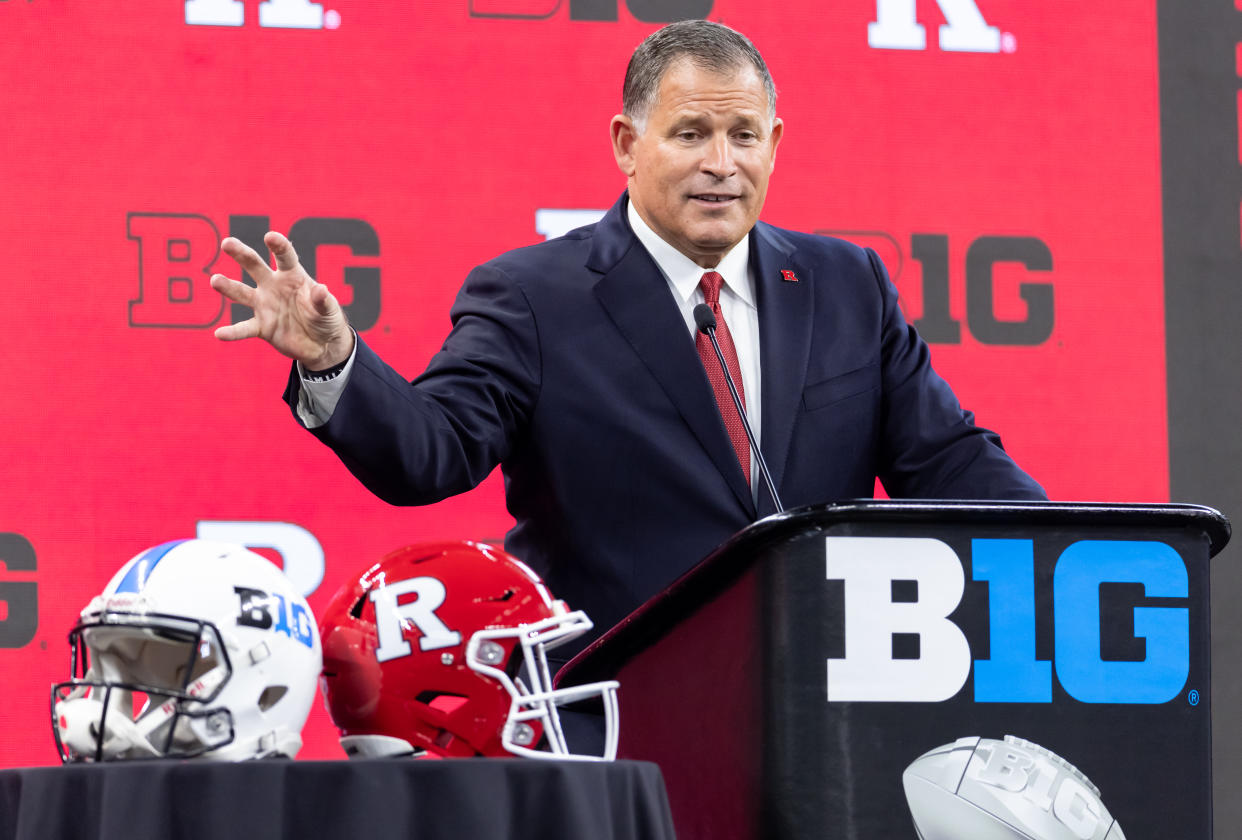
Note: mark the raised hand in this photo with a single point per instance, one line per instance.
(292, 312)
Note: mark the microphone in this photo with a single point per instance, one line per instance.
(705, 321)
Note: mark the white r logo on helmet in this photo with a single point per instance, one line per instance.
(390, 617)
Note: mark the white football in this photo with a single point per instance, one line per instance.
(984, 789)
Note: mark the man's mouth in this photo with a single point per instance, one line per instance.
(713, 198)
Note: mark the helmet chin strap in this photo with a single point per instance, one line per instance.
(78, 720)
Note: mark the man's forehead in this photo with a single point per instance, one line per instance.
(687, 86)
(742, 73)
(701, 112)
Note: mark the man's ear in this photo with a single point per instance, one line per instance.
(623, 137)
(778, 131)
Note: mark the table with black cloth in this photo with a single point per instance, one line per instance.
(447, 799)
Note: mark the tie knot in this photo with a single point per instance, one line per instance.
(710, 283)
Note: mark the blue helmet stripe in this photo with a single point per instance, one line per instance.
(142, 566)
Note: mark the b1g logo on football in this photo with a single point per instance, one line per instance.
(899, 590)
(177, 253)
(649, 11)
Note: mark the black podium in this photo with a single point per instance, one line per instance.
(793, 683)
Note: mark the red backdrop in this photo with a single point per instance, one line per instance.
(1013, 189)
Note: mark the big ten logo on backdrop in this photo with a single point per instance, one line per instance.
(991, 317)
(897, 27)
(1117, 612)
(19, 593)
(276, 14)
(177, 252)
(649, 11)
(291, 546)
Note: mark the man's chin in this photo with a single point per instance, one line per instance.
(707, 250)
(719, 237)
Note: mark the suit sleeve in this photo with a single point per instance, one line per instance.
(931, 447)
(418, 442)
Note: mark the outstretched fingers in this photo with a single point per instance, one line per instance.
(248, 328)
(233, 290)
(282, 250)
(247, 258)
(322, 300)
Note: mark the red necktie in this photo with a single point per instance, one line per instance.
(710, 283)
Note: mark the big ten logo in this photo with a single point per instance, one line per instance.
(989, 318)
(896, 27)
(290, 546)
(1109, 645)
(1048, 791)
(177, 252)
(19, 599)
(278, 14)
(270, 611)
(649, 11)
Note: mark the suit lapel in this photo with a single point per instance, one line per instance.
(637, 298)
(786, 316)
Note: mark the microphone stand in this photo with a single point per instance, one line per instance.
(705, 320)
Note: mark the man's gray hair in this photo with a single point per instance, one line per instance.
(710, 46)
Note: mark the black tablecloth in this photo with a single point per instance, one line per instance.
(461, 799)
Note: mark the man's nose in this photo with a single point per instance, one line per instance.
(718, 157)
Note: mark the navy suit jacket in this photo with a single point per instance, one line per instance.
(570, 365)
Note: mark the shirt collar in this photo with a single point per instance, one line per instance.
(683, 273)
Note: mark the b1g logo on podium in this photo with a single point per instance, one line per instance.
(901, 590)
(176, 253)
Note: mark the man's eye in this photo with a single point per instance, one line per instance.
(687, 135)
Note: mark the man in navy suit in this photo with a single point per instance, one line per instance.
(573, 363)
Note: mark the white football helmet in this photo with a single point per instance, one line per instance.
(195, 648)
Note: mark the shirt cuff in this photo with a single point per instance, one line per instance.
(322, 389)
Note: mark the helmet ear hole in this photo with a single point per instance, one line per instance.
(442, 701)
(271, 696)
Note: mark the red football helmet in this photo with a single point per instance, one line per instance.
(422, 653)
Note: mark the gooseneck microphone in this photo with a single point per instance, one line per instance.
(705, 321)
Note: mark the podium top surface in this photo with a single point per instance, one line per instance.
(1211, 522)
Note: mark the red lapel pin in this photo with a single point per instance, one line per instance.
(788, 276)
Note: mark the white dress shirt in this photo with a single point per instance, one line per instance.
(737, 305)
